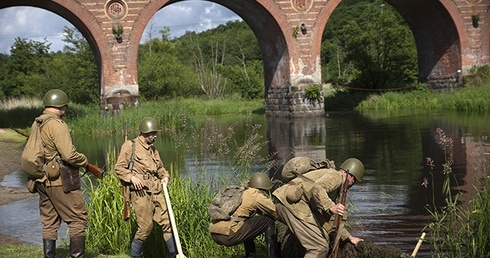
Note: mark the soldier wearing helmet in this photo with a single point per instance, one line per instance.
(140, 165)
(308, 203)
(59, 200)
(244, 225)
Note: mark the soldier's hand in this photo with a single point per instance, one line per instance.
(165, 180)
(138, 185)
(338, 209)
(355, 240)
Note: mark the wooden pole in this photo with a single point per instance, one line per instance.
(419, 243)
(173, 224)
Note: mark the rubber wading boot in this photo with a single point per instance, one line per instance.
(77, 247)
(49, 247)
(171, 247)
(137, 248)
(273, 249)
(250, 249)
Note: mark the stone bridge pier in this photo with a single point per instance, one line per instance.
(451, 36)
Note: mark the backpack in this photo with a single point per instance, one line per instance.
(32, 159)
(300, 165)
(226, 202)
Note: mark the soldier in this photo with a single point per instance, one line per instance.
(147, 176)
(245, 225)
(308, 202)
(58, 198)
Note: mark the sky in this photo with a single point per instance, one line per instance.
(38, 24)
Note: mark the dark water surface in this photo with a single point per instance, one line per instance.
(387, 208)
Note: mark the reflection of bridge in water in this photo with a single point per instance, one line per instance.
(390, 204)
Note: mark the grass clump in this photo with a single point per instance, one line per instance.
(460, 229)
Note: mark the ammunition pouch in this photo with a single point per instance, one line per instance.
(70, 178)
(52, 169)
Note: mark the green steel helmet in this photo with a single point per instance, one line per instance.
(261, 181)
(354, 167)
(148, 125)
(55, 98)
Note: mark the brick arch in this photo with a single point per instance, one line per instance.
(82, 19)
(439, 50)
(273, 44)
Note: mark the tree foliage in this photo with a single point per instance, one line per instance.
(367, 44)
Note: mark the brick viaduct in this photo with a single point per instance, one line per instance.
(451, 37)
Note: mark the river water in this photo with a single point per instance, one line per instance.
(388, 208)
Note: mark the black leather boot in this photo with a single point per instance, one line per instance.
(250, 249)
(171, 247)
(273, 249)
(137, 248)
(77, 247)
(49, 247)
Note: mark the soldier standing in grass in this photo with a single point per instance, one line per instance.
(58, 199)
(146, 174)
(245, 225)
(307, 205)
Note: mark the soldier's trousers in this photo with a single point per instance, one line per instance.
(56, 206)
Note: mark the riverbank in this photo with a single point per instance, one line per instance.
(11, 147)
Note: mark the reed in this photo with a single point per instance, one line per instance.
(108, 233)
(459, 229)
(474, 99)
(191, 195)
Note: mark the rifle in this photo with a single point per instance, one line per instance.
(125, 186)
(96, 171)
(338, 223)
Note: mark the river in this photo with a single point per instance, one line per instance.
(388, 207)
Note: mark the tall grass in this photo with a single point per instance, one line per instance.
(107, 232)
(474, 99)
(460, 229)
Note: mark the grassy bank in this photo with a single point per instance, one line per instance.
(89, 120)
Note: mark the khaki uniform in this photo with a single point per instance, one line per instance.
(231, 233)
(309, 218)
(149, 204)
(252, 201)
(54, 204)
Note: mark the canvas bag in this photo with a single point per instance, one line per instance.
(226, 202)
(300, 165)
(32, 159)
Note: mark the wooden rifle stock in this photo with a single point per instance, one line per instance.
(125, 186)
(338, 222)
(96, 171)
(127, 203)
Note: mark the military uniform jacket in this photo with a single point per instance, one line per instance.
(253, 201)
(147, 166)
(318, 197)
(58, 145)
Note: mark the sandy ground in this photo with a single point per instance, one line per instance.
(11, 147)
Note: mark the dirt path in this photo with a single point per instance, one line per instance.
(11, 146)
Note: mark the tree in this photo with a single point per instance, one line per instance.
(24, 72)
(369, 46)
(161, 73)
(79, 68)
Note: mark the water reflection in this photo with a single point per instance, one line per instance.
(389, 205)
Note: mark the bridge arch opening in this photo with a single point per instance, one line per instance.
(268, 32)
(73, 18)
(439, 37)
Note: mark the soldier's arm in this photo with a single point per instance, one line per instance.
(64, 145)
